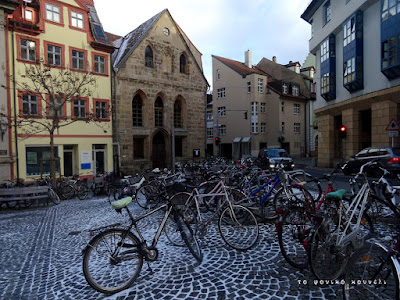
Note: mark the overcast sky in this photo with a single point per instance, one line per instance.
(225, 28)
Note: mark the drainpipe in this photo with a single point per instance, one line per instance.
(114, 96)
(15, 104)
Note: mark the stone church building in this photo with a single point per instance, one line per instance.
(159, 96)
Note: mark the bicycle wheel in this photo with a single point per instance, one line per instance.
(294, 234)
(53, 196)
(171, 229)
(385, 217)
(294, 195)
(189, 237)
(148, 196)
(326, 259)
(111, 263)
(310, 183)
(82, 191)
(238, 227)
(67, 192)
(371, 275)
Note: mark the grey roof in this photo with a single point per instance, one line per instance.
(280, 73)
(127, 44)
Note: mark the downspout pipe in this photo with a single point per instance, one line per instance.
(15, 104)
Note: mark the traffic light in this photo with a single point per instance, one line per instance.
(217, 141)
(342, 132)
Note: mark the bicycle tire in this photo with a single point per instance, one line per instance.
(189, 237)
(171, 229)
(312, 184)
(299, 196)
(21, 204)
(371, 275)
(385, 217)
(82, 191)
(67, 192)
(12, 204)
(294, 234)
(238, 227)
(53, 196)
(326, 260)
(148, 196)
(100, 263)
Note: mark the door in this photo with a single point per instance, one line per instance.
(68, 170)
(99, 159)
(159, 151)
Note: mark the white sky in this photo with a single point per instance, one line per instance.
(225, 28)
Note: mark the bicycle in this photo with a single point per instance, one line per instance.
(374, 273)
(237, 225)
(113, 259)
(295, 227)
(74, 186)
(340, 233)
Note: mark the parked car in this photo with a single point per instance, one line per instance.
(389, 158)
(271, 158)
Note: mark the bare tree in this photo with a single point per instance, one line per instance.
(54, 88)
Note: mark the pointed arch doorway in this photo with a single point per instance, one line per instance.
(159, 153)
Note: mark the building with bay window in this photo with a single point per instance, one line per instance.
(357, 46)
(58, 35)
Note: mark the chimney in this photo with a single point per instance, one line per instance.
(274, 59)
(247, 59)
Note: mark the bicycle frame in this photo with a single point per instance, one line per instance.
(275, 181)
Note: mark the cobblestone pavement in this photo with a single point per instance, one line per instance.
(41, 259)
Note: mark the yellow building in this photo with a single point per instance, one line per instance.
(66, 37)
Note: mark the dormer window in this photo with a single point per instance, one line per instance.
(28, 15)
(295, 90)
(285, 88)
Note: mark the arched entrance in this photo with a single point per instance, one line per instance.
(159, 150)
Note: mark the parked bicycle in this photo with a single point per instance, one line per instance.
(113, 259)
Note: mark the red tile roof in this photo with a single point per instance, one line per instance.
(239, 67)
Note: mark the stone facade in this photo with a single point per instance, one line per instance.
(162, 80)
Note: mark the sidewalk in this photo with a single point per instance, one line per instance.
(309, 163)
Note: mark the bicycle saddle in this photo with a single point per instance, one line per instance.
(117, 205)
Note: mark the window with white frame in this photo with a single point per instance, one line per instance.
(76, 19)
(248, 87)
(53, 13)
(222, 111)
(54, 55)
(101, 110)
(222, 130)
(28, 50)
(29, 105)
(254, 108)
(263, 127)
(99, 64)
(260, 85)
(78, 60)
(263, 107)
(296, 108)
(210, 115)
(80, 108)
(327, 12)
(295, 90)
(56, 106)
(296, 127)
(349, 31)
(285, 88)
(324, 49)
(254, 127)
(221, 93)
(210, 133)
